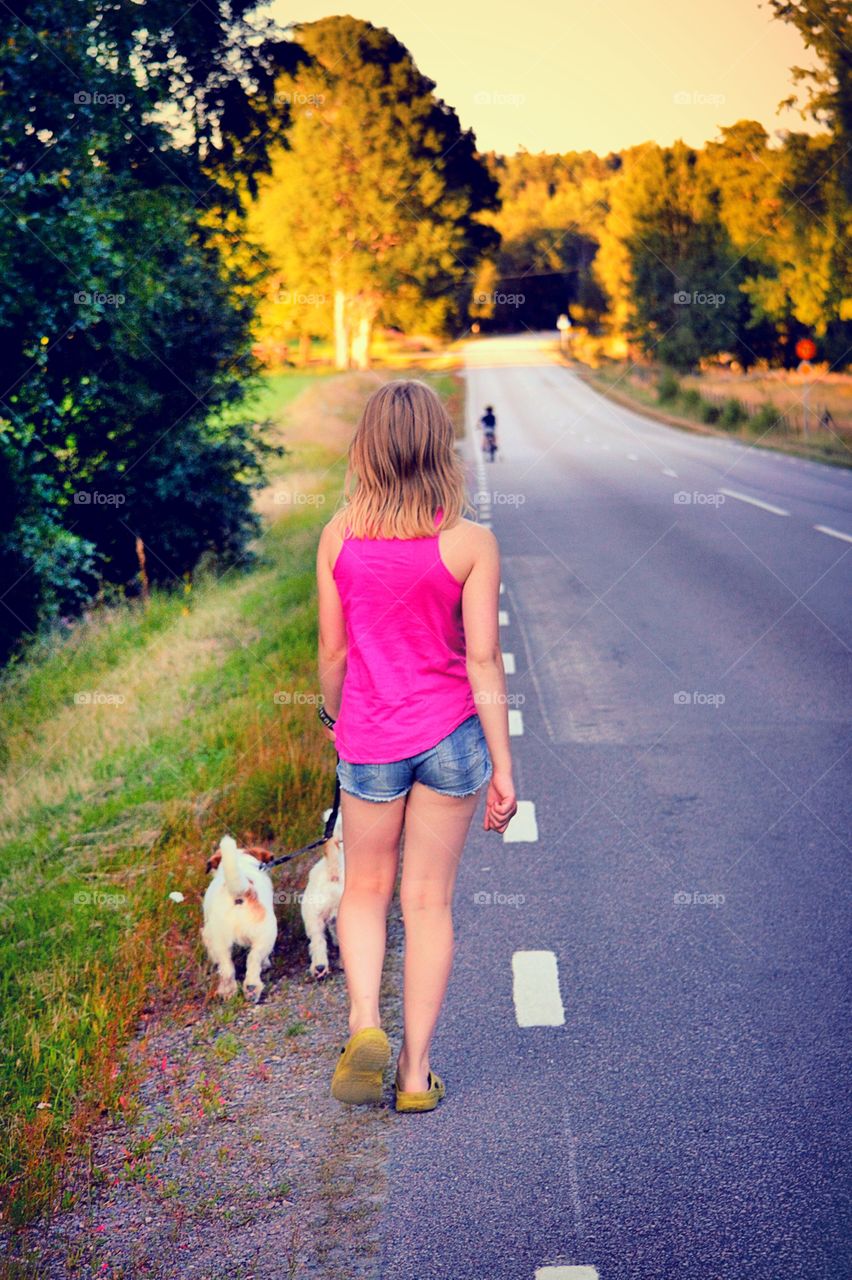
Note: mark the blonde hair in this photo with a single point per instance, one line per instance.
(403, 466)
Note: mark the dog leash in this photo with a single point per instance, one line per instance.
(315, 844)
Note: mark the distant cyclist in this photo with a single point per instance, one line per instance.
(488, 423)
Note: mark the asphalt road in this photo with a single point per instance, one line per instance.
(683, 688)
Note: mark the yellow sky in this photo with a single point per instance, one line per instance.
(559, 75)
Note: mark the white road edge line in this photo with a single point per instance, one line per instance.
(523, 829)
(832, 533)
(535, 989)
(754, 502)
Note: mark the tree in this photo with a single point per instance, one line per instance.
(373, 210)
(124, 337)
(826, 27)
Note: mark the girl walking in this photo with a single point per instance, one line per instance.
(414, 699)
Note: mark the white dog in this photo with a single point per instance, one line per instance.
(239, 911)
(322, 898)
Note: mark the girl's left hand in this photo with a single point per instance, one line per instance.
(329, 733)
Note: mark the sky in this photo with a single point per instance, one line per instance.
(559, 75)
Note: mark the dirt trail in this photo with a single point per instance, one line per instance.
(231, 1160)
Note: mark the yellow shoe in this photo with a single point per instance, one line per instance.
(358, 1074)
(425, 1100)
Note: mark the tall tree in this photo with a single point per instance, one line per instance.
(826, 27)
(373, 210)
(123, 335)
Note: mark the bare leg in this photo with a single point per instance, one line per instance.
(436, 828)
(371, 833)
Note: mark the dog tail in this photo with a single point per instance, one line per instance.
(235, 878)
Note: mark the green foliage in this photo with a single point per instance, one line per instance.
(375, 201)
(733, 414)
(123, 335)
(708, 412)
(668, 387)
(549, 223)
(765, 419)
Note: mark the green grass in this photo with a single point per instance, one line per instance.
(764, 427)
(108, 806)
(111, 805)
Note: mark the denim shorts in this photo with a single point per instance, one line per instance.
(457, 766)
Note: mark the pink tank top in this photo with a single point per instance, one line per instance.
(406, 685)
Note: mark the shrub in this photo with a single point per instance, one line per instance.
(690, 398)
(668, 387)
(767, 418)
(708, 412)
(733, 413)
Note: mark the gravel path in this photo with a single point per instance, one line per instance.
(231, 1160)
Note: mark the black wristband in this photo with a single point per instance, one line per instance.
(325, 717)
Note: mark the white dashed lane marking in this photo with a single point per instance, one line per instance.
(509, 663)
(633, 457)
(523, 829)
(516, 723)
(667, 471)
(535, 989)
(502, 618)
(566, 1273)
(754, 502)
(832, 533)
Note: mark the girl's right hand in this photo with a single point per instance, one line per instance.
(500, 805)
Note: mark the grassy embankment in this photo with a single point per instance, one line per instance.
(764, 411)
(127, 748)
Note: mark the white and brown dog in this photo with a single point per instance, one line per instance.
(239, 912)
(321, 899)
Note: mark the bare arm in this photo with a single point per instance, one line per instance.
(480, 605)
(332, 628)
